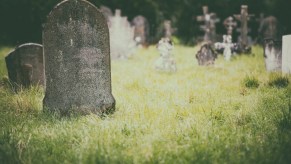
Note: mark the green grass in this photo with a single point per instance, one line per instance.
(196, 115)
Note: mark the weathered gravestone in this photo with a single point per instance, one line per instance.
(25, 65)
(243, 40)
(141, 30)
(269, 28)
(286, 54)
(77, 59)
(165, 62)
(206, 55)
(273, 55)
(122, 44)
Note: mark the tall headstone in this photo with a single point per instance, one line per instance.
(273, 55)
(77, 59)
(25, 65)
(286, 55)
(141, 30)
(243, 39)
(209, 27)
(122, 44)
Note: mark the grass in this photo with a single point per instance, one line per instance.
(196, 115)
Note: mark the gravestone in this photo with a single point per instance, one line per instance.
(229, 24)
(286, 54)
(269, 28)
(106, 11)
(25, 65)
(206, 55)
(273, 55)
(209, 27)
(165, 62)
(168, 30)
(141, 30)
(122, 44)
(227, 46)
(243, 40)
(77, 59)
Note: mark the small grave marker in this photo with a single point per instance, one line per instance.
(25, 65)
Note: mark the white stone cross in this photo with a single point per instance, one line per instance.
(227, 45)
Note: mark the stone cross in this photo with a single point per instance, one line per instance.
(209, 27)
(25, 65)
(273, 55)
(168, 30)
(165, 62)
(122, 44)
(227, 46)
(77, 59)
(243, 18)
(141, 30)
(286, 54)
(206, 55)
(229, 24)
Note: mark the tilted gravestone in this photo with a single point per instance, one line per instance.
(286, 54)
(273, 55)
(206, 55)
(25, 65)
(77, 59)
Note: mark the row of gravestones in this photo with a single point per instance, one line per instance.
(277, 55)
(76, 51)
(74, 62)
(126, 37)
(269, 28)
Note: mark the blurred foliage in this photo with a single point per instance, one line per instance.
(21, 20)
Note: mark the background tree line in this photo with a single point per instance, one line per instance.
(21, 20)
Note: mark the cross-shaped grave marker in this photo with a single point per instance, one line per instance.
(209, 19)
(244, 17)
(229, 24)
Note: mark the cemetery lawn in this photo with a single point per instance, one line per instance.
(233, 112)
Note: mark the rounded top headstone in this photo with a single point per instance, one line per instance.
(25, 65)
(77, 59)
